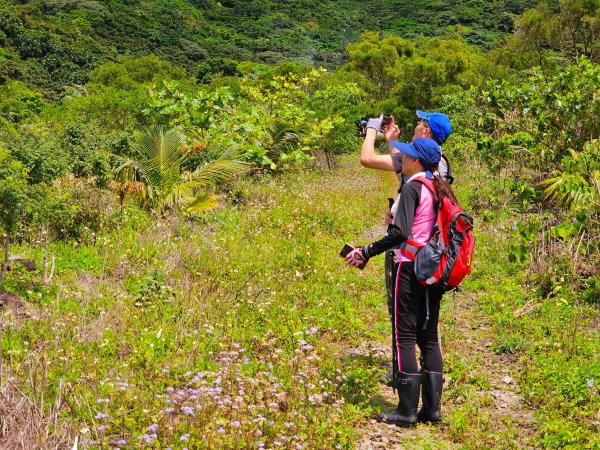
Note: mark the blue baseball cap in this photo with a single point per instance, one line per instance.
(439, 123)
(424, 149)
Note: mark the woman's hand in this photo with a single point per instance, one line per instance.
(355, 258)
(389, 218)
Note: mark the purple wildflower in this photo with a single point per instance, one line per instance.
(101, 415)
(147, 438)
(590, 383)
(185, 437)
(221, 430)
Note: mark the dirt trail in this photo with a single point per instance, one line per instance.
(503, 420)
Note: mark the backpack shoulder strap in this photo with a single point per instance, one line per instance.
(427, 182)
(410, 247)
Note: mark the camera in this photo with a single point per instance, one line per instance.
(361, 125)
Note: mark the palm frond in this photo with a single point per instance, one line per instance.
(161, 154)
(204, 202)
(126, 167)
(181, 194)
(285, 135)
(578, 184)
(219, 170)
(163, 146)
(135, 188)
(571, 189)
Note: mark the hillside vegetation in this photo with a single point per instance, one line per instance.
(176, 181)
(48, 44)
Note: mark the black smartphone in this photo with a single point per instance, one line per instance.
(347, 249)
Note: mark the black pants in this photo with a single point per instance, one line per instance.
(415, 313)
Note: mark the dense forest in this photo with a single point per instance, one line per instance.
(50, 44)
(174, 175)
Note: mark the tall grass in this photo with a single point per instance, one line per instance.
(243, 328)
(163, 332)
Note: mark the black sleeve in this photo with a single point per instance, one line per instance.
(410, 197)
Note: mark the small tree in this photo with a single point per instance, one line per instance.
(379, 60)
(159, 163)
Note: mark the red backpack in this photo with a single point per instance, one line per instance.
(446, 259)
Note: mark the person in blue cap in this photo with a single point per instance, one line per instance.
(415, 307)
(434, 125)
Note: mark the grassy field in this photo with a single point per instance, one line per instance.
(244, 329)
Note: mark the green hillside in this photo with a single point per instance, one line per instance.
(52, 43)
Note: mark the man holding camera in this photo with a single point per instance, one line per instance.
(434, 125)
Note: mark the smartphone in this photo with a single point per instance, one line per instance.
(347, 249)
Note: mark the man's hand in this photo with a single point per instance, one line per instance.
(355, 258)
(392, 131)
(375, 123)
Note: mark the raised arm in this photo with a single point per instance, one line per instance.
(369, 158)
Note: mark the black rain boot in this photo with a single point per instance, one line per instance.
(408, 386)
(431, 395)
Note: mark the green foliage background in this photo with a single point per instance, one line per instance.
(52, 43)
(122, 122)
